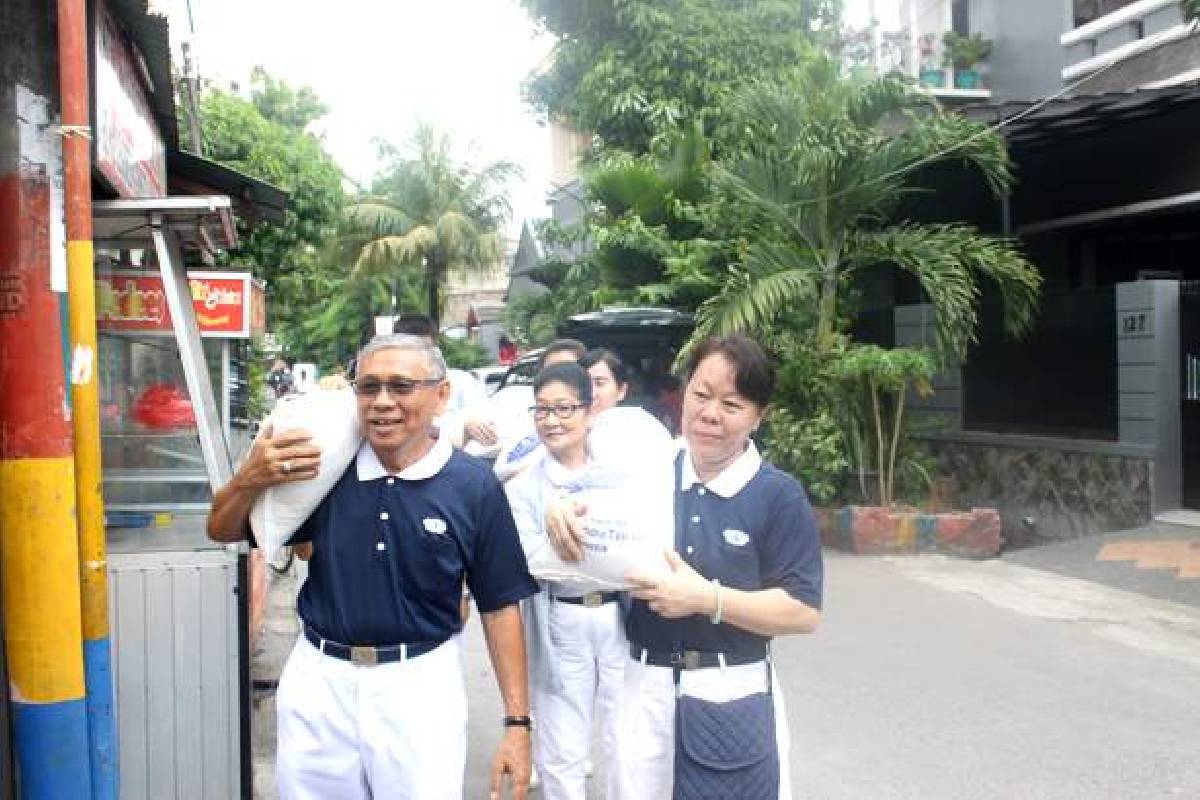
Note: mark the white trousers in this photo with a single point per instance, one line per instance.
(591, 651)
(644, 763)
(393, 731)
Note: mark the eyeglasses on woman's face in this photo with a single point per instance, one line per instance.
(397, 387)
(559, 410)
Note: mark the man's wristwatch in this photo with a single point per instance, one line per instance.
(518, 722)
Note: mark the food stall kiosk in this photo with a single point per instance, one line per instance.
(166, 338)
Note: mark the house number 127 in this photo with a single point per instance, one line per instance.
(1133, 323)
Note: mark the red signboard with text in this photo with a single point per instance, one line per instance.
(228, 305)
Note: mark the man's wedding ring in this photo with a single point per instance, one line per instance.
(287, 467)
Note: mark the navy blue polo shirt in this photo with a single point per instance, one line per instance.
(390, 551)
(751, 528)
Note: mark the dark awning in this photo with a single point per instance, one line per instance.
(1081, 114)
(256, 200)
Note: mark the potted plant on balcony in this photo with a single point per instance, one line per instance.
(963, 53)
(931, 73)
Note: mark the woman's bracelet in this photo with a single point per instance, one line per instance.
(716, 617)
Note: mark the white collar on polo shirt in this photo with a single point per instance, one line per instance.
(368, 466)
(731, 480)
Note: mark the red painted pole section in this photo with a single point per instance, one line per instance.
(85, 395)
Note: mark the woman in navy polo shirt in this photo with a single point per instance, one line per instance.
(745, 567)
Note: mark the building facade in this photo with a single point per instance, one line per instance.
(1089, 425)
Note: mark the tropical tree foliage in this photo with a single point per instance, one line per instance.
(237, 134)
(629, 70)
(265, 138)
(823, 165)
(427, 213)
(874, 383)
(277, 101)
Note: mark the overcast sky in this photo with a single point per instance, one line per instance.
(382, 64)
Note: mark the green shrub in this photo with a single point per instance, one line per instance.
(463, 353)
(812, 449)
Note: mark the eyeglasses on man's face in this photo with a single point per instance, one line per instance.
(396, 387)
(559, 410)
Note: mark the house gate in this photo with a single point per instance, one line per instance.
(1189, 349)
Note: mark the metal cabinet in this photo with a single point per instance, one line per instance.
(174, 617)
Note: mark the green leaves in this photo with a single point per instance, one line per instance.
(630, 70)
(888, 369)
(821, 166)
(429, 214)
(949, 261)
(265, 138)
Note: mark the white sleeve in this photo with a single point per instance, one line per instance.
(472, 395)
(525, 496)
(467, 399)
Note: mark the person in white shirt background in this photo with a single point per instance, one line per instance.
(465, 418)
(575, 638)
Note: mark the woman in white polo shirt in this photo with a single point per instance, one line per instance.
(576, 644)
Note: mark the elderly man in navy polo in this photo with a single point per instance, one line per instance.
(371, 703)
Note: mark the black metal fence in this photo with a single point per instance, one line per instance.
(1059, 381)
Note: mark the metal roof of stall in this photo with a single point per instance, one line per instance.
(203, 223)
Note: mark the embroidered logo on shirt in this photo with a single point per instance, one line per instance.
(435, 525)
(523, 448)
(735, 537)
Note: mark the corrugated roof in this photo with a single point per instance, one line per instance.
(256, 199)
(150, 33)
(1080, 114)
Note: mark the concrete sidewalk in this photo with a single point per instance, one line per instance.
(1159, 560)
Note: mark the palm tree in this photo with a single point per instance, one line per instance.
(432, 213)
(823, 164)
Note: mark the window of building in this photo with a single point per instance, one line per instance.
(960, 17)
(1060, 381)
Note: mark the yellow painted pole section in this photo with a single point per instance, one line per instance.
(41, 595)
(85, 402)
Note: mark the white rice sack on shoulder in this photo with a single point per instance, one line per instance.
(628, 525)
(332, 419)
(630, 433)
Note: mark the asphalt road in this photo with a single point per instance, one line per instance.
(936, 678)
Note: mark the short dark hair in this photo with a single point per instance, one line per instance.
(754, 374)
(416, 325)
(572, 375)
(620, 371)
(572, 346)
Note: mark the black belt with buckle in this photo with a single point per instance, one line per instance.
(591, 599)
(368, 655)
(694, 659)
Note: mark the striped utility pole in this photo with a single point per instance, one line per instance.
(39, 545)
(85, 398)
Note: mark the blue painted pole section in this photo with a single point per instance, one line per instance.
(49, 739)
(102, 724)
